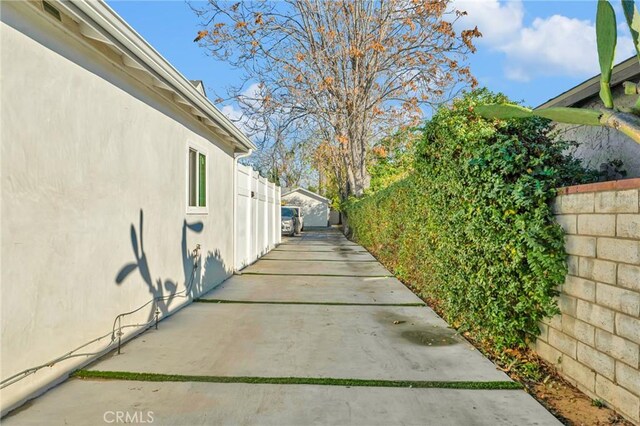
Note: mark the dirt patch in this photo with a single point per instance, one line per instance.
(430, 335)
(390, 317)
(571, 406)
(435, 337)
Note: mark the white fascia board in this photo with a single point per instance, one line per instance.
(102, 19)
(625, 70)
(308, 193)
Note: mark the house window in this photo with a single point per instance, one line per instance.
(197, 181)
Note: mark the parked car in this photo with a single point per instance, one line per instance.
(292, 220)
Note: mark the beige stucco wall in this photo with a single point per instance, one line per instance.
(86, 151)
(595, 341)
(597, 145)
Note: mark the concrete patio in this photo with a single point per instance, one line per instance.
(316, 307)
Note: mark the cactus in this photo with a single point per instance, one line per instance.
(606, 34)
(633, 21)
(625, 121)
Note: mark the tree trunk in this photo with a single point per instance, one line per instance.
(361, 180)
(351, 178)
(361, 177)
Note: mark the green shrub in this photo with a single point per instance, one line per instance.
(471, 227)
(391, 159)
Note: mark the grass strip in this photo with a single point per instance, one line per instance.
(273, 302)
(321, 251)
(323, 244)
(322, 381)
(319, 275)
(326, 246)
(321, 260)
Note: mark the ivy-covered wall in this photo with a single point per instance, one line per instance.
(470, 227)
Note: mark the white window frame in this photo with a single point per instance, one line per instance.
(199, 148)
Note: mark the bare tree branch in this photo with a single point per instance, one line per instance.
(345, 71)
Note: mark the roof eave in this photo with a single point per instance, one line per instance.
(625, 70)
(105, 25)
(311, 193)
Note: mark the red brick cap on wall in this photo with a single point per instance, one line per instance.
(613, 185)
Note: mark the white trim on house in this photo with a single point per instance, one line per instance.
(307, 192)
(199, 148)
(625, 70)
(97, 22)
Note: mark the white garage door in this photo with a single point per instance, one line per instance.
(315, 214)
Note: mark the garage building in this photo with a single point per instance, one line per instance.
(315, 207)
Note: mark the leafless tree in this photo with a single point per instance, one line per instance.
(286, 152)
(353, 69)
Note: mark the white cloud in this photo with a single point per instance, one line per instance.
(496, 21)
(250, 95)
(233, 113)
(553, 46)
(516, 73)
(557, 46)
(241, 120)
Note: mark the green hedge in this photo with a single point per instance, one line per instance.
(471, 227)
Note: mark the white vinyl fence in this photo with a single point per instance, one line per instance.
(257, 216)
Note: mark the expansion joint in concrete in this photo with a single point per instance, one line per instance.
(319, 275)
(275, 302)
(322, 260)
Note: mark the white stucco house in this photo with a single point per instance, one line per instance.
(598, 146)
(315, 207)
(119, 190)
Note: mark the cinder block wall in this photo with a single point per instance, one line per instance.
(595, 342)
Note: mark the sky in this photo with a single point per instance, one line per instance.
(531, 50)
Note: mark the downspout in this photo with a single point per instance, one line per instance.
(236, 157)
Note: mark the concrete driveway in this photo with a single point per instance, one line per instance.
(316, 332)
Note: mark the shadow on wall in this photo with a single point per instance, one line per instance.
(320, 212)
(316, 214)
(197, 276)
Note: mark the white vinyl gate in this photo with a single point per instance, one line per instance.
(257, 216)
